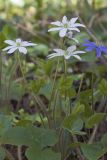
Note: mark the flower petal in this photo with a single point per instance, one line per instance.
(25, 44)
(22, 50)
(74, 29)
(89, 49)
(64, 20)
(54, 55)
(7, 48)
(103, 49)
(78, 25)
(57, 23)
(18, 40)
(98, 52)
(10, 42)
(78, 52)
(12, 50)
(59, 51)
(75, 40)
(71, 48)
(73, 20)
(77, 57)
(54, 29)
(62, 32)
(67, 56)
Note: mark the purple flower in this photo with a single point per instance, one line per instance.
(92, 45)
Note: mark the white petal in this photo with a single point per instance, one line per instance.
(75, 40)
(67, 56)
(59, 51)
(53, 55)
(12, 50)
(22, 50)
(69, 34)
(55, 29)
(71, 48)
(64, 20)
(62, 32)
(58, 54)
(25, 44)
(77, 57)
(78, 52)
(7, 48)
(78, 25)
(18, 40)
(73, 20)
(74, 29)
(57, 23)
(10, 42)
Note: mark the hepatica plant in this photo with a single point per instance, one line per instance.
(17, 45)
(99, 49)
(70, 52)
(66, 25)
(65, 106)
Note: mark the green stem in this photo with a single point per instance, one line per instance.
(20, 65)
(1, 78)
(54, 109)
(65, 77)
(92, 89)
(53, 87)
(12, 71)
(8, 154)
(80, 86)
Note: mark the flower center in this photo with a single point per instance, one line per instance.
(66, 25)
(66, 53)
(18, 44)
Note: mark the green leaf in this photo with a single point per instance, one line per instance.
(65, 86)
(104, 140)
(5, 124)
(93, 151)
(16, 91)
(103, 87)
(46, 154)
(2, 39)
(29, 136)
(2, 153)
(46, 90)
(94, 119)
(74, 123)
(9, 31)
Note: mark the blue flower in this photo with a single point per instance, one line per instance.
(92, 45)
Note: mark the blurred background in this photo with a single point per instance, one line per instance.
(30, 20)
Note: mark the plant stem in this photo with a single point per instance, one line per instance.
(78, 149)
(1, 79)
(65, 74)
(12, 71)
(8, 154)
(92, 91)
(20, 65)
(52, 94)
(19, 152)
(80, 86)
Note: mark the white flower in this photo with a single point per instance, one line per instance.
(17, 45)
(70, 52)
(65, 26)
(70, 36)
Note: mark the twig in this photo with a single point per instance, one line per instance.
(81, 157)
(93, 135)
(8, 154)
(19, 152)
